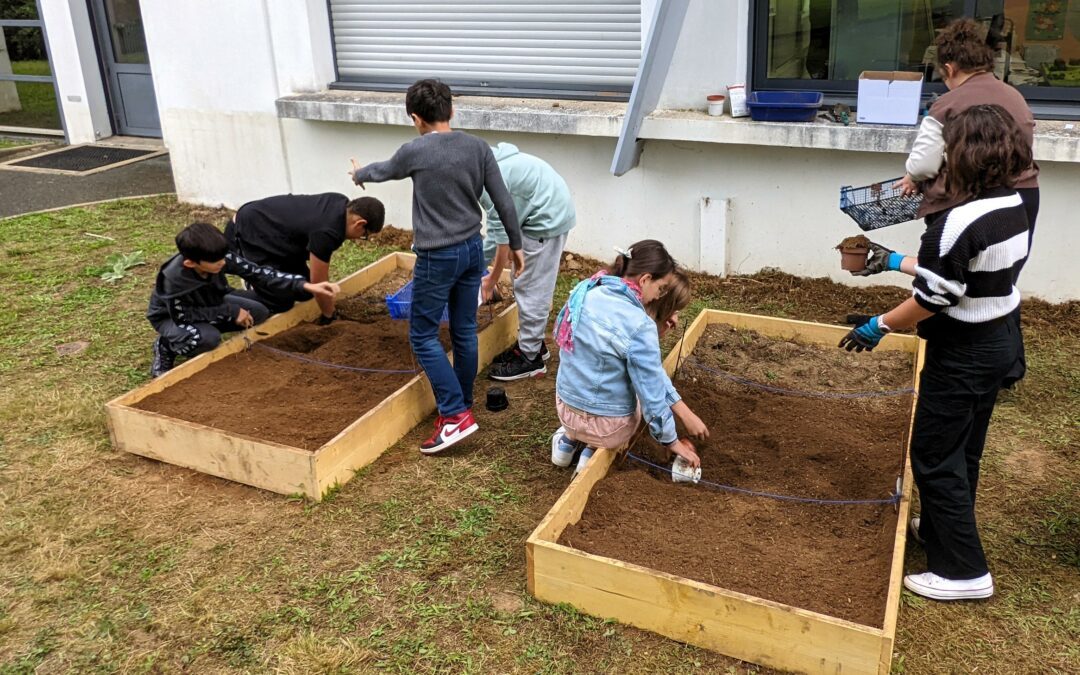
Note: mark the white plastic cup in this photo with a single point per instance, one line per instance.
(716, 104)
(682, 472)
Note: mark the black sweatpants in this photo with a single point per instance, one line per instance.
(957, 390)
(190, 339)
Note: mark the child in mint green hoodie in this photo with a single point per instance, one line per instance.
(545, 210)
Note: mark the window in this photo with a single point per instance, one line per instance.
(824, 44)
(584, 48)
(27, 90)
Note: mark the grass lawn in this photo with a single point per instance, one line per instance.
(115, 563)
(6, 143)
(39, 109)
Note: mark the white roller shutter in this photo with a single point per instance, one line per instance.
(516, 45)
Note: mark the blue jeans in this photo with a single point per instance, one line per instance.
(447, 276)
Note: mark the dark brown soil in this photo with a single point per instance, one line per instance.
(393, 237)
(858, 241)
(274, 397)
(826, 558)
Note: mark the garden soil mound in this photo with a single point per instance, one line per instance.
(274, 397)
(826, 558)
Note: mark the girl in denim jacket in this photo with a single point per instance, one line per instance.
(610, 371)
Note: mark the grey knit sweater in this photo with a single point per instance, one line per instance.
(449, 170)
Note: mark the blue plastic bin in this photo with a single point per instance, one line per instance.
(784, 106)
(400, 302)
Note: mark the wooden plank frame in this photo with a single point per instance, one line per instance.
(736, 624)
(275, 466)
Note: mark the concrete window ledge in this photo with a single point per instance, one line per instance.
(1054, 141)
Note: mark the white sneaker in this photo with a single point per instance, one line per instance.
(913, 531)
(930, 585)
(586, 455)
(562, 448)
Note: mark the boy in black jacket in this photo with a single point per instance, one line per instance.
(192, 303)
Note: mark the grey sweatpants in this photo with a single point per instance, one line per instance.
(534, 289)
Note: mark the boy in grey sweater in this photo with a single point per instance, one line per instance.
(450, 170)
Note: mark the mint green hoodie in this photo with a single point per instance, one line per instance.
(540, 195)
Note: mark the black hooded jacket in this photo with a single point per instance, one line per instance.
(185, 296)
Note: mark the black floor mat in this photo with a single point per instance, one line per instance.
(82, 158)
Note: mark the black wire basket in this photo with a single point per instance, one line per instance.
(878, 205)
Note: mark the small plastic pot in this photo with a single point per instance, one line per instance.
(682, 472)
(716, 104)
(853, 258)
(496, 399)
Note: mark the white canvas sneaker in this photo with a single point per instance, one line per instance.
(930, 585)
(913, 531)
(562, 448)
(583, 460)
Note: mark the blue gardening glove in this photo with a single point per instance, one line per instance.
(866, 336)
(881, 260)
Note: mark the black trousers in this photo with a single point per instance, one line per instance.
(957, 391)
(1030, 197)
(191, 339)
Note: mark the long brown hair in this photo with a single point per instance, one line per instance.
(963, 43)
(984, 149)
(645, 257)
(676, 298)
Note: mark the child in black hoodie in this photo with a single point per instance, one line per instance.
(192, 303)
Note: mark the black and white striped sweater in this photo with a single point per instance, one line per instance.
(969, 261)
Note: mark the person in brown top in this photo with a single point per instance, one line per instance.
(965, 62)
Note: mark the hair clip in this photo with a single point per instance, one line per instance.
(626, 254)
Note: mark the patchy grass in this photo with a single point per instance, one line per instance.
(6, 143)
(117, 563)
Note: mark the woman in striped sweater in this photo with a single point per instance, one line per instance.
(965, 292)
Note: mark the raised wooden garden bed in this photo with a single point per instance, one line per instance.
(275, 466)
(738, 624)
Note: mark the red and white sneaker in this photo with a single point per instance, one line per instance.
(449, 430)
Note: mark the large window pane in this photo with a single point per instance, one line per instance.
(26, 104)
(838, 39)
(126, 31)
(1041, 41)
(18, 9)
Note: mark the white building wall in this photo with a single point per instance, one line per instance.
(783, 201)
(75, 66)
(710, 55)
(218, 68)
(217, 83)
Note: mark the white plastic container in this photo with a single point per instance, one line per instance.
(716, 104)
(737, 95)
(682, 472)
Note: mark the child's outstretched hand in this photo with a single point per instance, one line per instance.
(323, 289)
(352, 174)
(685, 449)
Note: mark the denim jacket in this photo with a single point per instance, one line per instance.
(616, 363)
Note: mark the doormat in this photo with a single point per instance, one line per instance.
(81, 160)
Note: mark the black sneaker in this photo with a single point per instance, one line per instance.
(505, 356)
(517, 367)
(164, 359)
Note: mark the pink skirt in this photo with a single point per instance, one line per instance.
(597, 431)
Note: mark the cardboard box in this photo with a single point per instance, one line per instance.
(889, 97)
